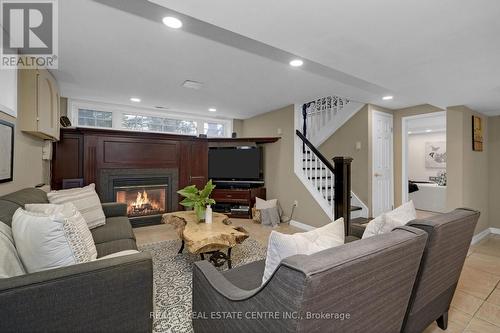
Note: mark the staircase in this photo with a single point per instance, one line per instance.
(329, 184)
(324, 116)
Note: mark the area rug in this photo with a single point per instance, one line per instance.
(172, 275)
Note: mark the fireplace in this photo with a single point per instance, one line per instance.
(148, 193)
(143, 200)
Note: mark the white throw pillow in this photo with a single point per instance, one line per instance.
(265, 204)
(399, 217)
(68, 211)
(85, 200)
(45, 242)
(10, 264)
(388, 221)
(373, 227)
(119, 254)
(281, 246)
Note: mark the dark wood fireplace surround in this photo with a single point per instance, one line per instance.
(85, 153)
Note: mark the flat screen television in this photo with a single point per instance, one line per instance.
(242, 164)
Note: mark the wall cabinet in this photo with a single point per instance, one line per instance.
(39, 104)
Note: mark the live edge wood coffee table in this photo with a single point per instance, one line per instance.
(202, 238)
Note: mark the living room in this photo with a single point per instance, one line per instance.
(171, 166)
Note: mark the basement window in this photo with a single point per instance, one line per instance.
(158, 124)
(122, 117)
(92, 118)
(214, 129)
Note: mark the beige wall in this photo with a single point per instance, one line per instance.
(29, 169)
(343, 143)
(281, 181)
(63, 106)
(468, 170)
(493, 170)
(398, 145)
(238, 127)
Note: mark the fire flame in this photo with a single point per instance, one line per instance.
(142, 199)
(143, 205)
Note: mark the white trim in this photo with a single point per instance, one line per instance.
(477, 238)
(301, 225)
(356, 201)
(404, 150)
(388, 115)
(118, 110)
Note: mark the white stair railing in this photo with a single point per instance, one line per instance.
(316, 121)
(317, 174)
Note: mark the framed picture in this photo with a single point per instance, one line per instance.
(435, 155)
(6, 151)
(477, 134)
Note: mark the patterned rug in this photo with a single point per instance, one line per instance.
(172, 275)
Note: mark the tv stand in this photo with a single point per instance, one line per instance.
(231, 198)
(234, 184)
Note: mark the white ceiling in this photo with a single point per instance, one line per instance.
(438, 52)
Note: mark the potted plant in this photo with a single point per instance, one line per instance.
(197, 199)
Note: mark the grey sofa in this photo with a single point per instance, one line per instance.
(113, 295)
(449, 238)
(364, 286)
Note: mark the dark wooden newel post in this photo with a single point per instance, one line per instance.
(342, 191)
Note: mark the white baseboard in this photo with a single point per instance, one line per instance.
(477, 238)
(495, 231)
(302, 226)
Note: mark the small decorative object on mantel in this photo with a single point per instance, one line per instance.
(6, 151)
(477, 134)
(198, 199)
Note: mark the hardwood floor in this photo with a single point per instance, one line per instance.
(475, 307)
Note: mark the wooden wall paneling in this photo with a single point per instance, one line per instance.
(198, 164)
(67, 159)
(136, 152)
(90, 160)
(184, 170)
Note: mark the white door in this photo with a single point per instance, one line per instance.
(382, 141)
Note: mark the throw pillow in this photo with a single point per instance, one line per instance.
(10, 264)
(270, 216)
(119, 254)
(281, 246)
(388, 221)
(68, 211)
(265, 204)
(399, 217)
(373, 227)
(45, 242)
(85, 200)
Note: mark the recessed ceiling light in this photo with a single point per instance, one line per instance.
(387, 98)
(428, 131)
(135, 99)
(410, 132)
(212, 109)
(190, 84)
(296, 63)
(172, 22)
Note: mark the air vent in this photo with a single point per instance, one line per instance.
(161, 107)
(192, 84)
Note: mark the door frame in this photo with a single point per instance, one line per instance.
(372, 178)
(404, 149)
